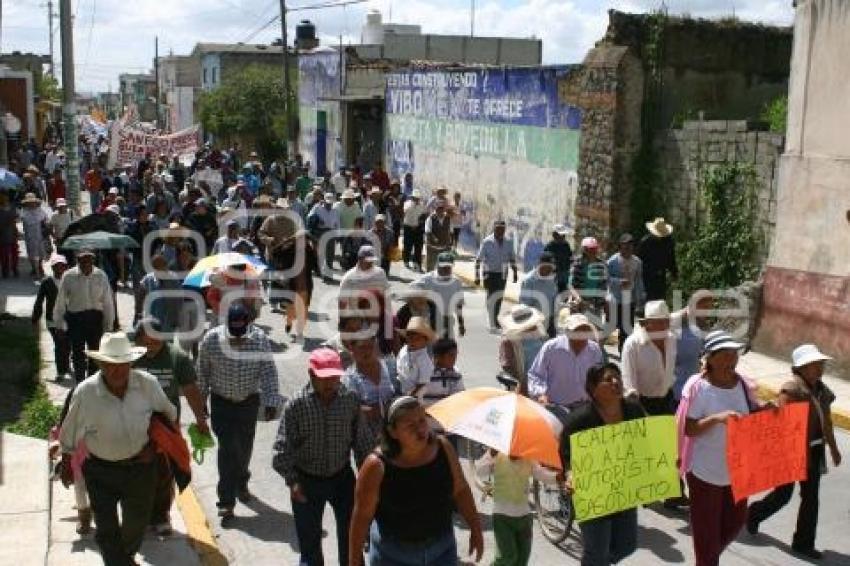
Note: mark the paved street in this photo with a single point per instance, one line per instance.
(264, 532)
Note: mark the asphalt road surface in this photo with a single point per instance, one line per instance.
(264, 530)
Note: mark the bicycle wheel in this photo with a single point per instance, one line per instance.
(555, 512)
(470, 452)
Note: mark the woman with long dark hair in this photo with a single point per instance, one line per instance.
(410, 486)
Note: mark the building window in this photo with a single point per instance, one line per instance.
(213, 74)
(205, 75)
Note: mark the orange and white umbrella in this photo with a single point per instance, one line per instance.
(510, 423)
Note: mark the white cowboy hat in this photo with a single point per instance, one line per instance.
(656, 310)
(416, 193)
(807, 354)
(659, 228)
(560, 229)
(61, 202)
(115, 348)
(282, 203)
(522, 318)
(348, 193)
(30, 198)
(419, 325)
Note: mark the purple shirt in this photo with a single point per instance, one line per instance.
(559, 373)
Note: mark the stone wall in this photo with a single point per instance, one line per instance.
(685, 154)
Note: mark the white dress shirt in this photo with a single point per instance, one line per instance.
(112, 428)
(414, 368)
(78, 292)
(644, 371)
(412, 212)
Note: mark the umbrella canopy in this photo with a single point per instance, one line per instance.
(510, 423)
(200, 275)
(8, 180)
(99, 240)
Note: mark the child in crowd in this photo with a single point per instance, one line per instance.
(445, 380)
(512, 521)
(415, 366)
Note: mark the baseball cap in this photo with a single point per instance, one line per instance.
(445, 259)
(86, 252)
(720, 340)
(560, 229)
(238, 319)
(56, 259)
(61, 202)
(329, 197)
(366, 252)
(589, 243)
(325, 363)
(380, 218)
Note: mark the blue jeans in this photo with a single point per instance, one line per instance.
(609, 539)
(338, 490)
(439, 551)
(234, 424)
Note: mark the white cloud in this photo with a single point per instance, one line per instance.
(118, 36)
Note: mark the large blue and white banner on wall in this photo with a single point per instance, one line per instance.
(500, 137)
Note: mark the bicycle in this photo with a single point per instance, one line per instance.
(552, 503)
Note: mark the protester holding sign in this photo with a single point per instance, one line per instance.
(610, 538)
(806, 386)
(709, 400)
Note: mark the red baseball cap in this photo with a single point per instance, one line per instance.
(325, 363)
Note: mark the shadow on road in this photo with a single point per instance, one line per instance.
(660, 544)
(830, 557)
(269, 524)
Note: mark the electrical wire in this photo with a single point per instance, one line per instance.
(319, 6)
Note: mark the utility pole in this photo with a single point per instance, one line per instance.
(156, 78)
(69, 106)
(50, 27)
(286, 102)
(472, 19)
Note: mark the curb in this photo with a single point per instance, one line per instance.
(198, 530)
(840, 417)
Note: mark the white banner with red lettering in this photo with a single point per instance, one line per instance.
(129, 144)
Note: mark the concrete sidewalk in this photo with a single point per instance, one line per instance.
(770, 373)
(38, 514)
(24, 500)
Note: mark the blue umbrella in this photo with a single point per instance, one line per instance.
(9, 180)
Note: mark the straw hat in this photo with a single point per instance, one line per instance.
(419, 325)
(659, 228)
(348, 193)
(656, 310)
(115, 348)
(30, 198)
(522, 318)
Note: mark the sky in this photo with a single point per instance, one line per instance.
(116, 36)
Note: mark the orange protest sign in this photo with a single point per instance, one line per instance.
(767, 449)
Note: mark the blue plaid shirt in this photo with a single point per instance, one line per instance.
(238, 371)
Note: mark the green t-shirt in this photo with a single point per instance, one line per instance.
(172, 368)
(303, 184)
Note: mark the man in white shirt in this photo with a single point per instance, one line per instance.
(84, 309)
(649, 361)
(323, 218)
(413, 230)
(446, 291)
(226, 242)
(111, 412)
(61, 219)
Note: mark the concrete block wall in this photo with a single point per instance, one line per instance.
(686, 154)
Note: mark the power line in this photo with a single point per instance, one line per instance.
(318, 6)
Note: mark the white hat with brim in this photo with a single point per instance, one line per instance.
(719, 340)
(659, 228)
(419, 325)
(807, 354)
(348, 193)
(416, 193)
(61, 202)
(574, 322)
(522, 318)
(30, 198)
(56, 259)
(560, 229)
(656, 310)
(115, 348)
(329, 198)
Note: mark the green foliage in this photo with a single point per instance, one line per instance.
(775, 113)
(725, 249)
(38, 417)
(249, 105)
(48, 89)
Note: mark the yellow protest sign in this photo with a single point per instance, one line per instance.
(617, 467)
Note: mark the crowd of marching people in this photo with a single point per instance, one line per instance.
(219, 237)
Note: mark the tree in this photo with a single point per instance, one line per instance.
(48, 89)
(248, 106)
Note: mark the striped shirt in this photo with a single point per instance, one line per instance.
(240, 369)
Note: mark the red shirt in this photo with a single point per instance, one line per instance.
(93, 180)
(55, 190)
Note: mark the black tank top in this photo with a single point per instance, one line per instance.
(416, 503)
